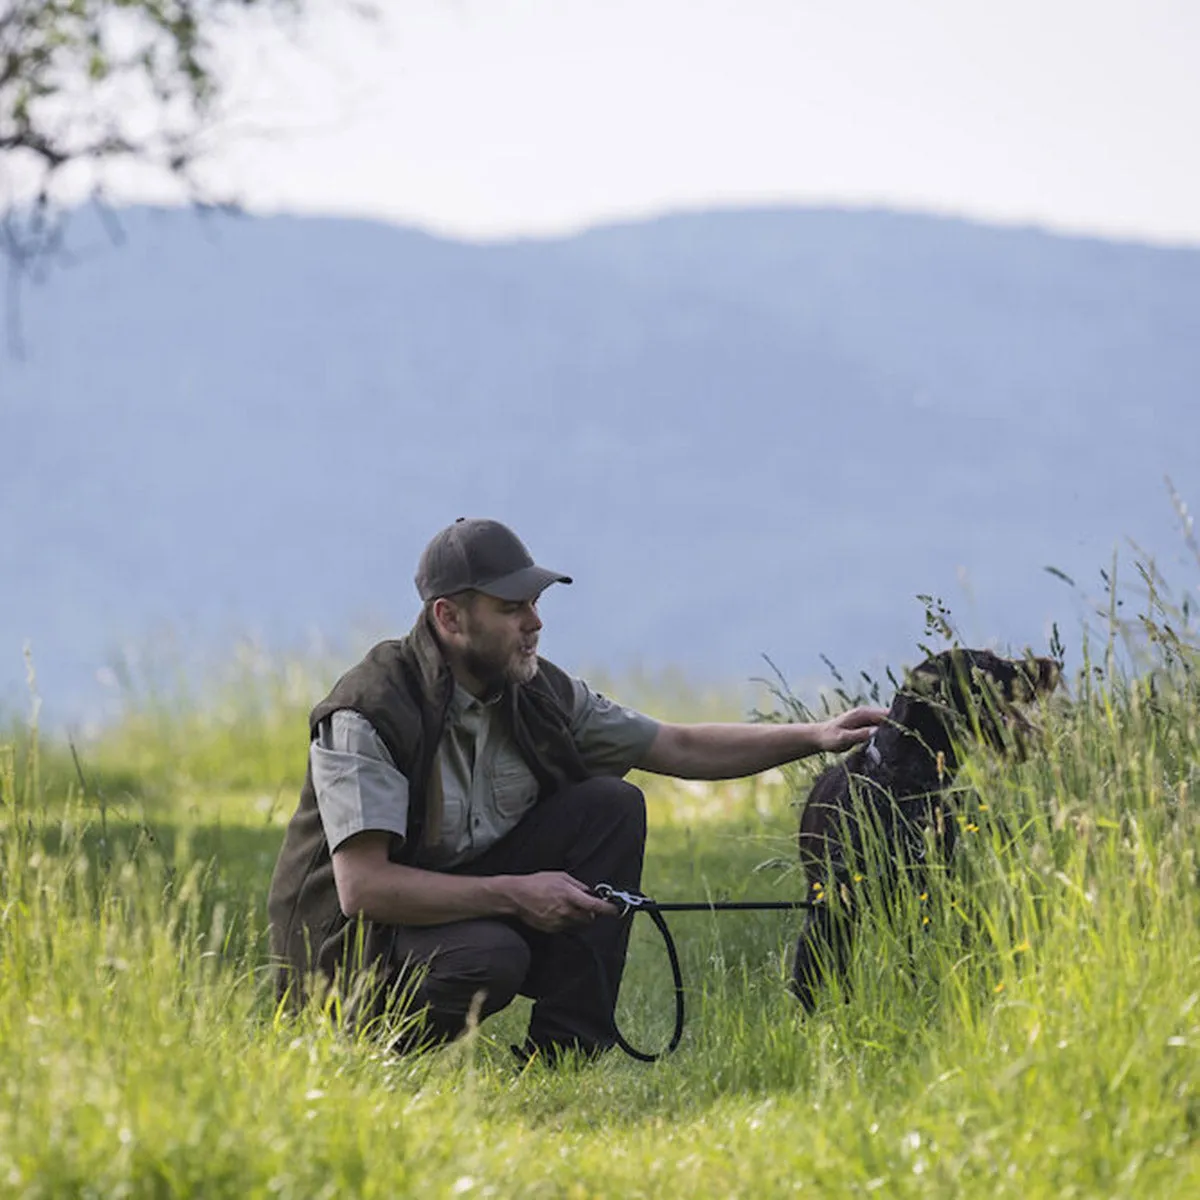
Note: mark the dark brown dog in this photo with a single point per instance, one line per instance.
(891, 792)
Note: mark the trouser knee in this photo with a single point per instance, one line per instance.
(455, 973)
(620, 801)
(491, 969)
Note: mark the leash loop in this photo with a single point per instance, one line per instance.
(628, 905)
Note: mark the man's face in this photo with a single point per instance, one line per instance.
(499, 639)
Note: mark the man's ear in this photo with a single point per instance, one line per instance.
(447, 616)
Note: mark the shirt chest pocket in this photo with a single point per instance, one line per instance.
(513, 786)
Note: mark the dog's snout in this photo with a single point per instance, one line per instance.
(1049, 674)
(1036, 677)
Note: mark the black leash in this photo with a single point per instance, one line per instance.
(631, 903)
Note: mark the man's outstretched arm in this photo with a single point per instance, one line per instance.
(733, 750)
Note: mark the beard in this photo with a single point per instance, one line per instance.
(496, 665)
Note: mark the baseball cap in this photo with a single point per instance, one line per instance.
(484, 556)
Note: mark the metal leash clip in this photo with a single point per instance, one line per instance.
(627, 902)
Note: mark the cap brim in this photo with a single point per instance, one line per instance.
(524, 584)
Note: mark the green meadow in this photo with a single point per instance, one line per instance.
(1030, 1026)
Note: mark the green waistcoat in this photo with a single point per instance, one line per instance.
(403, 687)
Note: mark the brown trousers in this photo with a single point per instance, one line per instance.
(595, 831)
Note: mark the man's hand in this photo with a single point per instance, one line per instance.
(725, 750)
(368, 882)
(849, 728)
(553, 900)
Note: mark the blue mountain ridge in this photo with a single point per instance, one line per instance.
(744, 433)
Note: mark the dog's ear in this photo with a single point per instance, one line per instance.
(918, 716)
(905, 709)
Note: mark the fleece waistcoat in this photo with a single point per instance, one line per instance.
(403, 687)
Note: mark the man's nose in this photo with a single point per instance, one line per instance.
(532, 622)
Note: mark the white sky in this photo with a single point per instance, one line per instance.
(492, 118)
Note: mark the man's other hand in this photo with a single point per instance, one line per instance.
(553, 900)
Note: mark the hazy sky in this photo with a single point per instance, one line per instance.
(489, 118)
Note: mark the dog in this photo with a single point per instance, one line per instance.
(893, 793)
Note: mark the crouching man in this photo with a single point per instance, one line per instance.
(462, 798)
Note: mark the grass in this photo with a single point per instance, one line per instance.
(1038, 1035)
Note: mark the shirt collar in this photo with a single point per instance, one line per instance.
(463, 702)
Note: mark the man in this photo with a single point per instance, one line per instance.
(464, 796)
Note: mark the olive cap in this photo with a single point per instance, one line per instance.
(480, 555)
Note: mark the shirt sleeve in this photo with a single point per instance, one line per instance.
(357, 783)
(611, 739)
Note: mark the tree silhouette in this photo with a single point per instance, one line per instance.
(86, 83)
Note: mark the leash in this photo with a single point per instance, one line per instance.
(629, 905)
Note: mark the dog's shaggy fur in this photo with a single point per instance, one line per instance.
(893, 792)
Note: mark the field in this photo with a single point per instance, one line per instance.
(1039, 1035)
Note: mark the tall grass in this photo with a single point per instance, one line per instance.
(1028, 1025)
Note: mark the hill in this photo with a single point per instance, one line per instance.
(742, 432)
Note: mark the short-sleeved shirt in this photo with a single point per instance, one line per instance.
(487, 787)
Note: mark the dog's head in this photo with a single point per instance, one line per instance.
(960, 694)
